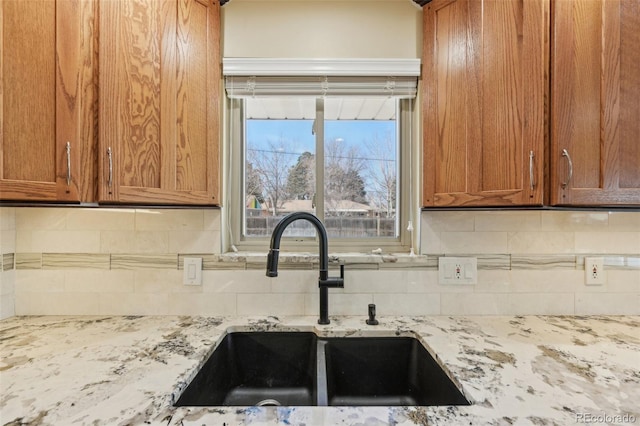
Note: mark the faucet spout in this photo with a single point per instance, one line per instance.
(324, 282)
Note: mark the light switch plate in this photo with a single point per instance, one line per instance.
(457, 270)
(192, 273)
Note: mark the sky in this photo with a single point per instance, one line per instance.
(298, 138)
(298, 134)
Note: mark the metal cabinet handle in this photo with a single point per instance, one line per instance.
(68, 163)
(110, 178)
(565, 154)
(532, 182)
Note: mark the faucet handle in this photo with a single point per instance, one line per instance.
(332, 282)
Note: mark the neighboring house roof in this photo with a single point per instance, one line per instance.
(350, 206)
(338, 206)
(297, 206)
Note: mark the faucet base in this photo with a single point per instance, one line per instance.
(324, 322)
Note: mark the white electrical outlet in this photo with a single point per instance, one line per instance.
(594, 273)
(457, 270)
(192, 273)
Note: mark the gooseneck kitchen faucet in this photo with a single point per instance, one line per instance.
(324, 282)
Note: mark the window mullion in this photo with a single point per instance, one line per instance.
(319, 128)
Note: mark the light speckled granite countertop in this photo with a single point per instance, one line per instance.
(126, 370)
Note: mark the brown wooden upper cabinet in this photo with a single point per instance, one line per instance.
(485, 69)
(48, 100)
(595, 110)
(159, 102)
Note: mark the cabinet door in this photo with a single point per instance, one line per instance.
(47, 100)
(595, 103)
(484, 102)
(159, 101)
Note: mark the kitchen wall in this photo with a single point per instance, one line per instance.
(7, 271)
(129, 262)
(322, 29)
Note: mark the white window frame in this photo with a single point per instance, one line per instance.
(234, 172)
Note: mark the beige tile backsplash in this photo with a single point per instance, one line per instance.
(7, 261)
(89, 261)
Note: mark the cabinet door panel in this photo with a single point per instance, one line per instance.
(76, 99)
(197, 97)
(596, 113)
(453, 64)
(484, 102)
(28, 83)
(159, 84)
(630, 96)
(47, 100)
(130, 95)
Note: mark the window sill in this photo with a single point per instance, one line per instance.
(307, 260)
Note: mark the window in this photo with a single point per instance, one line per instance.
(355, 191)
(298, 144)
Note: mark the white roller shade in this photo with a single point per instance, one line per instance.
(397, 87)
(260, 77)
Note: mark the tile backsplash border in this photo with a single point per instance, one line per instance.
(306, 261)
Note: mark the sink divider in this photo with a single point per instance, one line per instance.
(321, 374)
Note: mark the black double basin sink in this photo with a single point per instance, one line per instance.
(302, 369)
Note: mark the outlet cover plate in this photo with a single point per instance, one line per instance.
(457, 270)
(594, 273)
(192, 273)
